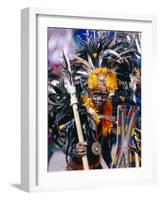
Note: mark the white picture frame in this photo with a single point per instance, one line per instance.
(34, 176)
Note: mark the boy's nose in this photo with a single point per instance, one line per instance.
(99, 97)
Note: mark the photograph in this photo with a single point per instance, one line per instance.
(94, 99)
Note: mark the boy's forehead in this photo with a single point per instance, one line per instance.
(99, 93)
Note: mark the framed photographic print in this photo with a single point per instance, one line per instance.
(86, 106)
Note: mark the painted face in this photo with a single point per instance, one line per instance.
(99, 98)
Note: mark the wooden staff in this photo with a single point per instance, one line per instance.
(74, 103)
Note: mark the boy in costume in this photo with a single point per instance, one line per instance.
(101, 77)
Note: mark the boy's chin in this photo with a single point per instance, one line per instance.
(99, 104)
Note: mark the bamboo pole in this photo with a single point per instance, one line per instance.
(74, 103)
(80, 134)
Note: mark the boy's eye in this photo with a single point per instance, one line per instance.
(104, 96)
(96, 95)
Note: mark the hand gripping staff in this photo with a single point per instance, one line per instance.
(74, 103)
